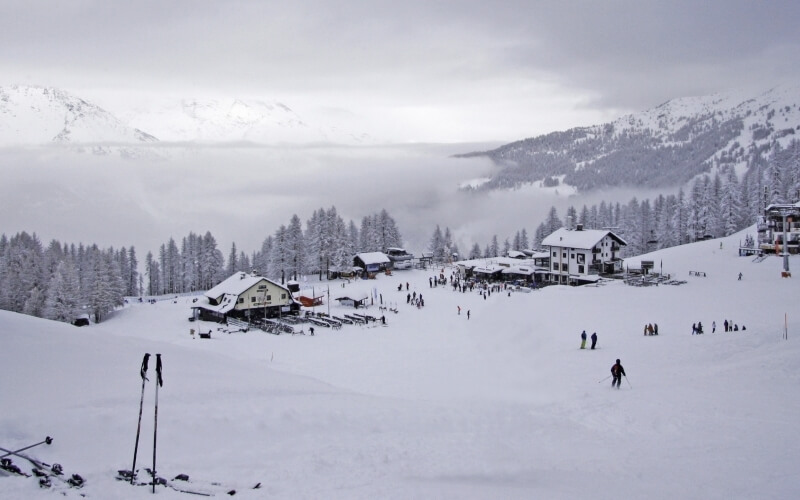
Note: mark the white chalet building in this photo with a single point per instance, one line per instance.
(245, 296)
(579, 256)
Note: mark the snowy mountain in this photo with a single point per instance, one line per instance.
(35, 116)
(664, 146)
(434, 405)
(41, 116)
(234, 120)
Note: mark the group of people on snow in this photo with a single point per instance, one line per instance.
(651, 329)
(729, 326)
(583, 339)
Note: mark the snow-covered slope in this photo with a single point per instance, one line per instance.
(39, 115)
(435, 405)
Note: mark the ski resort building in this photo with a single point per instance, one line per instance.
(245, 296)
(372, 262)
(400, 258)
(779, 220)
(579, 256)
(506, 269)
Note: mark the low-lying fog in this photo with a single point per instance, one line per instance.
(243, 194)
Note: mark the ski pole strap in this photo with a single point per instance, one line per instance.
(143, 371)
(158, 370)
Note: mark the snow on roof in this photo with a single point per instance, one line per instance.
(585, 238)
(227, 303)
(237, 284)
(519, 270)
(373, 258)
(496, 261)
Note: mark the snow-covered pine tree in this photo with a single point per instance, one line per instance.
(494, 247)
(63, 292)
(233, 260)
(475, 252)
(436, 245)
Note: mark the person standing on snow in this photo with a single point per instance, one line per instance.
(583, 340)
(617, 372)
(594, 339)
(713, 326)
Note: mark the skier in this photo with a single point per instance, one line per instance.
(617, 371)
(726, 325)
(694, 328)
(311, 330)
(699, 328)
(655, 328)
(467, 313)
(740, 276)
(583, 340)
(713, 326)
(594, 339)
(645, 330)
(650, 329)
(459, 310)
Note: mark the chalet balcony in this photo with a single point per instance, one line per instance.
(615, 248)
(596, 250)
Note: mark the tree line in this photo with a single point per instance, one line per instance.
(63, 281)
(712, 207)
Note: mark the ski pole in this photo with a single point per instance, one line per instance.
(47, 440)
(604, 379)
(143, 374)
(628, 381)
(159, 382)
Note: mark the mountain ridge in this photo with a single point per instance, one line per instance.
(36, 116)
(661, 147)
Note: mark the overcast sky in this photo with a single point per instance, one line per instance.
(408, 71)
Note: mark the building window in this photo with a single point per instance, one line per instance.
(240, 301)
(554, 254)
(555, 266)
(283, 296)
(564, 255)
(581, 270)
(269, 298)
(253, 300)
(573, 256)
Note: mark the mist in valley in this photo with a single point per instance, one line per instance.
(243, 193)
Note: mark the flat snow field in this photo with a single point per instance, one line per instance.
(434, 405)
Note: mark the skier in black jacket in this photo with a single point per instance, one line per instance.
(617, 371)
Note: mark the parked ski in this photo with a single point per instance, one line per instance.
(181, 483)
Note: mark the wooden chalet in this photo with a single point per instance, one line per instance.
(247, 297)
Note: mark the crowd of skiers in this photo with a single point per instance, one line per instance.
(651, 329)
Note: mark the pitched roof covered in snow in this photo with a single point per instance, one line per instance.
(584, 238)
(237, 284)
(373, 258)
